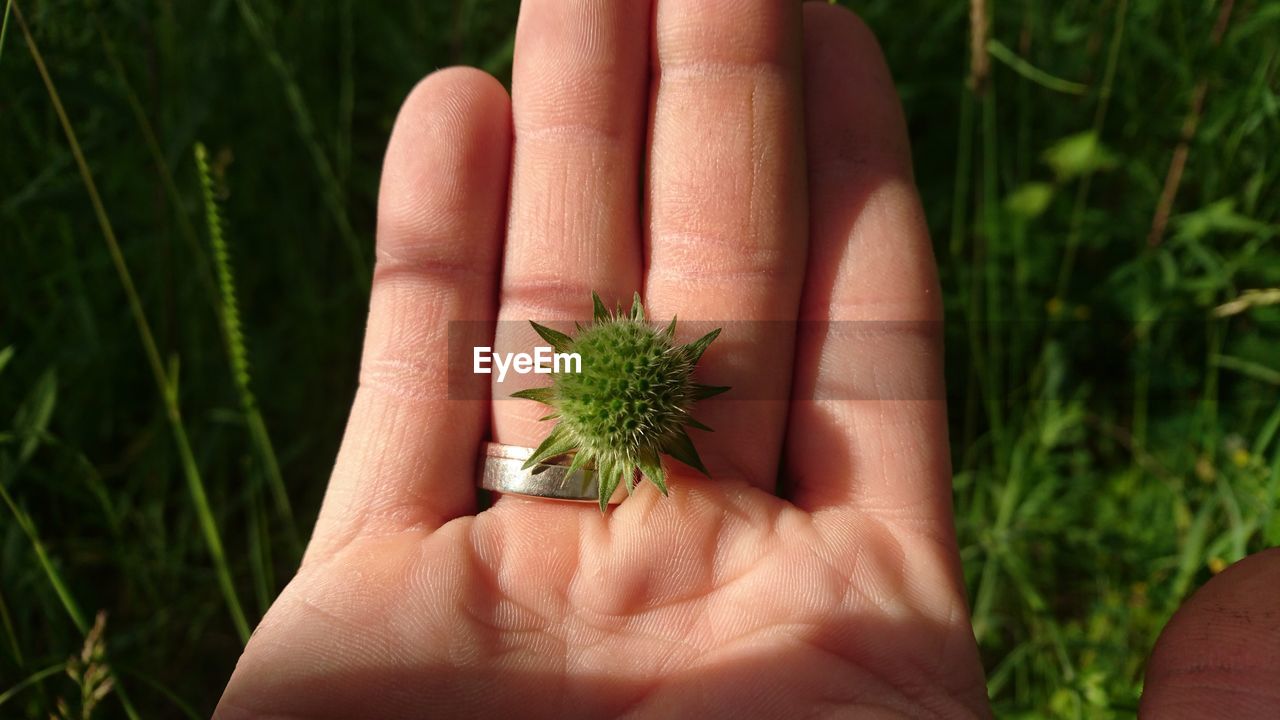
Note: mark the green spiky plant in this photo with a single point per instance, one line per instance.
(629, 404)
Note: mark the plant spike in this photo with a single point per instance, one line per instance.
(599, 312)
(682, 449)
(559, 341)
(699, 346)
(539, 394)
(702, 392)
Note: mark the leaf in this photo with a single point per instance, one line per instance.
(1255, 370)
(681, 448)
(1218, 217)
(5, 356)
(671, 329)
(651, 465)
(599, 312)
(699, 346)
(693, 423)
(637, 308)
(33, 415)
(1030, 199)
(607, 475)
(559, 341)
(557, 443)
(702, 392)
(538, 394)
(579, 462)
(1077, 155)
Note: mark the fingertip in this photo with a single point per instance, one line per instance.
(456, 89)
(461, 104)
(447, 160)
(845, 67)
(1220, 654)
(825, 13)
(836, 29)
(870, 255)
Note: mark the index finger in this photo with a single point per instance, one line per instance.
(409, 452)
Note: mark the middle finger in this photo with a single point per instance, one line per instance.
(579, 91)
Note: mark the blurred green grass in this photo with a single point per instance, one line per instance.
(1114, 440)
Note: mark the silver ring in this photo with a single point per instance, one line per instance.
(500, 472)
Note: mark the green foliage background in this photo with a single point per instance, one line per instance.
(1115, 441)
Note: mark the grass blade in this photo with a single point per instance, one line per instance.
(55, 579)
(152, 143)
(1001, 52)
(31, 680)
(4, 26)
(51, 573)
(306, 128)
(7, 620)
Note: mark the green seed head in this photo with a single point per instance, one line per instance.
(629, 404)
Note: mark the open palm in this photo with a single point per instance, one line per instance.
(661, 149)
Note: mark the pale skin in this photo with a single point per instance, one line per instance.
(731, 160)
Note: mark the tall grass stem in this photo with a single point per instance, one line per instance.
(1099, 117)
(167, 180)
(168, 389)
(238, 354)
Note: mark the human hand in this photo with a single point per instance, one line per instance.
(688, 162)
